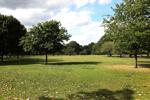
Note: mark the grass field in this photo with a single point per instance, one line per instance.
(75, 78)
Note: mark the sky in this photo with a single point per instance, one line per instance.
(82, 18)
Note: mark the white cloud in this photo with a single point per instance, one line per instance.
(89, 33)
(78, 22)
(53, 4)
(80, 25)
(71, 19)
(28, 17)
(15, 4)
(105, 1)
(80, 3)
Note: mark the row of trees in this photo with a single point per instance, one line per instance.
(129, 27)
(44, 38)
(127, 32)
(74, 48)
(11, 30)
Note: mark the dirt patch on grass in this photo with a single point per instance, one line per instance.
(127, 68)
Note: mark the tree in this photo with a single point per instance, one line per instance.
(11, 30)
(129, 24)
(119, 48)
(72, 48)
(98, 46)
(15, 31)
(47, 37)
(146, 42)
(87, 49)
(2, 36)
(107, 48)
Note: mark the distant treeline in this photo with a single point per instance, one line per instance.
(126, 32)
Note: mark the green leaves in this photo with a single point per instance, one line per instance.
(45, 37)
(129, 24)
(11, 30)
(72, 48)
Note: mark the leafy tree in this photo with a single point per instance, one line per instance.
(87, 49)
(129, 23)
(11, 30)
(107, 48)
(95, 49)
(98, 46)
(47, 37)
(72, 48)
(119, 49)
(15, 31)
(2, 35)
(146, 42)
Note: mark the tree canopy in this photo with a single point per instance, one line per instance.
(130, 26)
(11, 30)
(72, 48)
(47, 37)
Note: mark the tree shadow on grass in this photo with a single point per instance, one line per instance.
(48, 98)
(27, 61)
(103, 94)
(144, 64)
(74, 63)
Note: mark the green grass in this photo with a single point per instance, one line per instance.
(74, 78)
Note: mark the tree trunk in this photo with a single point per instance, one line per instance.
(110, 54)
(147, 54)
(136, 65)
(130, 55)
(46, 58)
(2, 58)
(120, 55)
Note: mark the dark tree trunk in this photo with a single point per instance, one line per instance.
(120, 55)
(136, 58)
(130, 55)
(2, 58)
(147, 54)
(110, 54)
(46, 58)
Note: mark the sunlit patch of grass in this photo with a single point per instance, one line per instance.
(85, 77)
(129, 68)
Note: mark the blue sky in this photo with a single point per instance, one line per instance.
(82, 18)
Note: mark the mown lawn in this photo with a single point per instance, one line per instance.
(75, 78)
